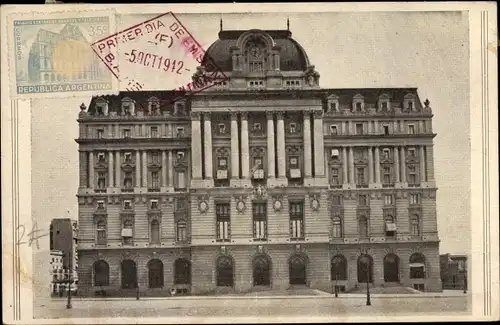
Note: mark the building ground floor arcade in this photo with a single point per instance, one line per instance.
(231, 268)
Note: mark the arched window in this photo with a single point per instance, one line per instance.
(391, 268)
(337, 227)
(365, 269)
(417, 266)
(155, 273)
(182, 271)
(101, 273)
(225, 272)
(181, 231)
(339, 268)
(363, 227)
(101, 232)
(415, 225)
(297, 270)
(129, 274)
(155, 232)
(261, 271)
(256, 53)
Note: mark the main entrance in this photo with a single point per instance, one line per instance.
(297, 270)
(261, 271)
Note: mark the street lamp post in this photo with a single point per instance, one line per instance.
(368, 300)
(137, 286)
(336, 286)
(70, 275)
(465, 281)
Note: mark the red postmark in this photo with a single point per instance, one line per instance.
(158, 54)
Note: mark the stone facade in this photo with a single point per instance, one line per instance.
(264, 180)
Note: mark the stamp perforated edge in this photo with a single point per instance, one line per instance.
(53, 14)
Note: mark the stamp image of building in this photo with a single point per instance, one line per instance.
(264, 181)
(41, 58)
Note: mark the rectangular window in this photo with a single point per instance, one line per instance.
(128, 232)
(386, 129)
(411, 129)
(294, 162)
(388, 199)
(127, 157)
(414, 199)
(222, 212)
(410, 106)
(297, 220)
(411, 152)
(127, 180)
(222, 128)
(362, 200)
(101, 233)
(358, 106)
(337, 200)
(154, 205)
(387, 175)
(101, 180)
(259, 212)
(359, 128)
(180, 132)
(384, 105)
(181, 180)
(361, 175)
(100, 204)
(155, 180)
(335, 176)
(180, 204)
(333, 129)
(155, 157)
(127, 205)
(100, 133)
(181, 231)
(386, 154)
(412, 175)
(293, 127)
(333, 106)
(154, 132)
(126, 133)
(101, 157)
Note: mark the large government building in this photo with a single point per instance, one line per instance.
(264, 181)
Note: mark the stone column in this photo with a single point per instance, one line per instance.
(345, 179)
(271, 159)
(377, 165)
(396, 163)
(170, 169)
(422, 164)
(403, 165)
(163, 168)
(117, 169)
(370, 165)
(117, 131)
(137, 168)
(350, 128)
(110, 169)
(281, 146)
(196, 145)
(144, 169)
(208, 145)
(396, 128)
(377, 129)
(235, 154)
(91, 169)
(319, 146)
(307, 145)
(351, 165)
(245, 150)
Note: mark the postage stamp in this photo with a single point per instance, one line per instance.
(158, 54)
(51, 54)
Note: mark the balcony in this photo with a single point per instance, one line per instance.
(127, 189)
(362, 185)
(387, 185)
(154, 189)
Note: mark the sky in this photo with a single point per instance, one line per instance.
(429, 51)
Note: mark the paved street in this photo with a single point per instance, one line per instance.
(253, 307)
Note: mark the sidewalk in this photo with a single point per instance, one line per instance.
(322, 295)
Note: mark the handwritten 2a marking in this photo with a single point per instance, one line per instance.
(33, 235)
(155, 61)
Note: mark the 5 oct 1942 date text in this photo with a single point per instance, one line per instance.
(156, 62)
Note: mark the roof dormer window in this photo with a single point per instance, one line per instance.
(128, 106)
(358, 104)
(101, 107)
(409, 103)
(153, 106)
(332, 104)
(384, 104)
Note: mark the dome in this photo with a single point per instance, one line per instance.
(292, 55)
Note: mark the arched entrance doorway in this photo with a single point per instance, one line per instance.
(391, 268)
(297, 270)
(101, 273)
(225, 272)
(155, 273)
(129, 274)
(261, 271)
(365, 269)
